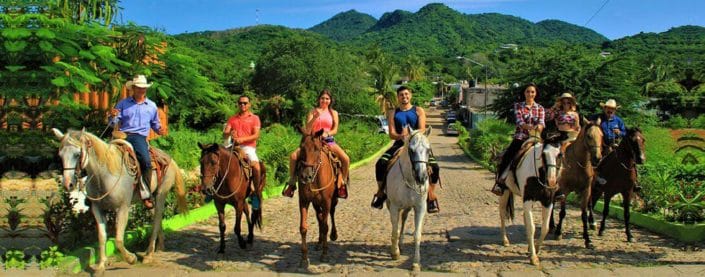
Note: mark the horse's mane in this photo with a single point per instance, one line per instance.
(105, 154)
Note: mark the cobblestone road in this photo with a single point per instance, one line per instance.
(462, 238)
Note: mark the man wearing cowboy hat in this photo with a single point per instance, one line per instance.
(613, 130)
(136, 115)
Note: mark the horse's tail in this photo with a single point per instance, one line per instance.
(510, 206)
(181, 203)
(257, 213)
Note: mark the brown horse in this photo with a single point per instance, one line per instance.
(619, 169)
(317, 183)
(577, 173)
(224, 177)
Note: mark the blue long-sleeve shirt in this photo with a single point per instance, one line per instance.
(137, 117)
(608, 125)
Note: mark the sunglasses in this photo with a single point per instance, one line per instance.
(243, 103)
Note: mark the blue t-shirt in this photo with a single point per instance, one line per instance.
(608, 125)
(403, 118)
(137, 117)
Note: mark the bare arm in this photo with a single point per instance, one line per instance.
(253, 137)
(310, 118)
(392, 131)
(422, 118)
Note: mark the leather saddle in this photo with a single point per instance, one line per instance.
(160, 160)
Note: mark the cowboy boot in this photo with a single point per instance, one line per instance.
(380, 196)
(432, 203)
(145, 193)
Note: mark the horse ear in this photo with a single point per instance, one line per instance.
(319, 133)
(584, 121)
(200, 145)
(301, 130)
(598, 121)
(428, 131)
(57, 133)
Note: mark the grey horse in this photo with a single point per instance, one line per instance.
(109, 186)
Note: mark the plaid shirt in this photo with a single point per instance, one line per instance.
(524, 114)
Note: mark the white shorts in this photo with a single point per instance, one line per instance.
(250, 152)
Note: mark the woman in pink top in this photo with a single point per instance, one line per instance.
(326, 118)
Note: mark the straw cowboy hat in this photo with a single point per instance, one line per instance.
(569, 96)
(139, 81)
(611, 103)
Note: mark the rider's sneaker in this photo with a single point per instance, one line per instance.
(378, 201)
(600, 180)
(289, 191)
(432, 206)
(497, 190)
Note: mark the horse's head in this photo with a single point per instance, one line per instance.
(310, 155)
(419, 149)
(210, 165)
(592, 137)
(551, 151)
(73, 155)
(636, 143)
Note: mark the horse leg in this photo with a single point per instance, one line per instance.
(323, 239)
(238, 224)
(626, 202)
(404, 216)
(419, 214)
(333, 230)
(303, 227)
(156, 227)
(321, 236)
(546, 213)
(250, 225)
(120, 224)
(530, 229)
(584, 218)
(561, 216)
(102, 237)
(220, 207)
(160, 240)
(394, 217)
(605, 212)
(503, 216)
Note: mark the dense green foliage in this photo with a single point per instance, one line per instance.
(345, 25)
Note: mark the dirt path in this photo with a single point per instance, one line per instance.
(462, 238)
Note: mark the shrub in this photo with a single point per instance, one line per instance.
(487, 140)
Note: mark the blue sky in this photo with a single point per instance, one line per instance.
(618, 18)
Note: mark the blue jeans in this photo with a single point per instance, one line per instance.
(139, 143)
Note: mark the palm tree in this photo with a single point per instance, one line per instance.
(384, 72)
(415, 69)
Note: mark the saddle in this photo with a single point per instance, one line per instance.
(337, 165)
(160, 160)
(524, 148)
(244, 163)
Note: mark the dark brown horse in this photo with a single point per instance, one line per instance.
(619, 169)
(317, 183)
(223, 176)
(577, 173)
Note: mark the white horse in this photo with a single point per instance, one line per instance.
(407, 187)
(536, 168)
(109, 186)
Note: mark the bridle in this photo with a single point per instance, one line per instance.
(84, 146)
(214, 191)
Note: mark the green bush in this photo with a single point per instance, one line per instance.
(677, 122)
(487, 140)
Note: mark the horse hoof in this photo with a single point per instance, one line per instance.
(304, 263)
(559, 237)
(333, 236)
(630, 239)
(147, 259)
(131, 259)
(395, 256)
(324, 258)
(221, 251)
(593, 227)
(505, 242)
(535, 261)
(416, 267)
(599, 234)
(589, 246)
(98, 270)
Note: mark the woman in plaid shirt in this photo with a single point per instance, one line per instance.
(529, 116)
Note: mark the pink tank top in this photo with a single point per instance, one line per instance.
(324, 121)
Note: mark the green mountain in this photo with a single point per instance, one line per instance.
(437, 30)
(345, 25)
(679, 44)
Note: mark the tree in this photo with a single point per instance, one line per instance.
(384, 73)
(414, 68)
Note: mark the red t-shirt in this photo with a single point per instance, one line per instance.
(244, 125)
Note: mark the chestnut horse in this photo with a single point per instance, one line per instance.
(576, 174)
(223, 176)
(619, 169)
(317, 183)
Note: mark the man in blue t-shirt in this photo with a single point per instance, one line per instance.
(613, 131)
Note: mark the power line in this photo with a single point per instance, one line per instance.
(598, 10)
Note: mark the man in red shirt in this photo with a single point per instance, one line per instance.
(243, 129)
